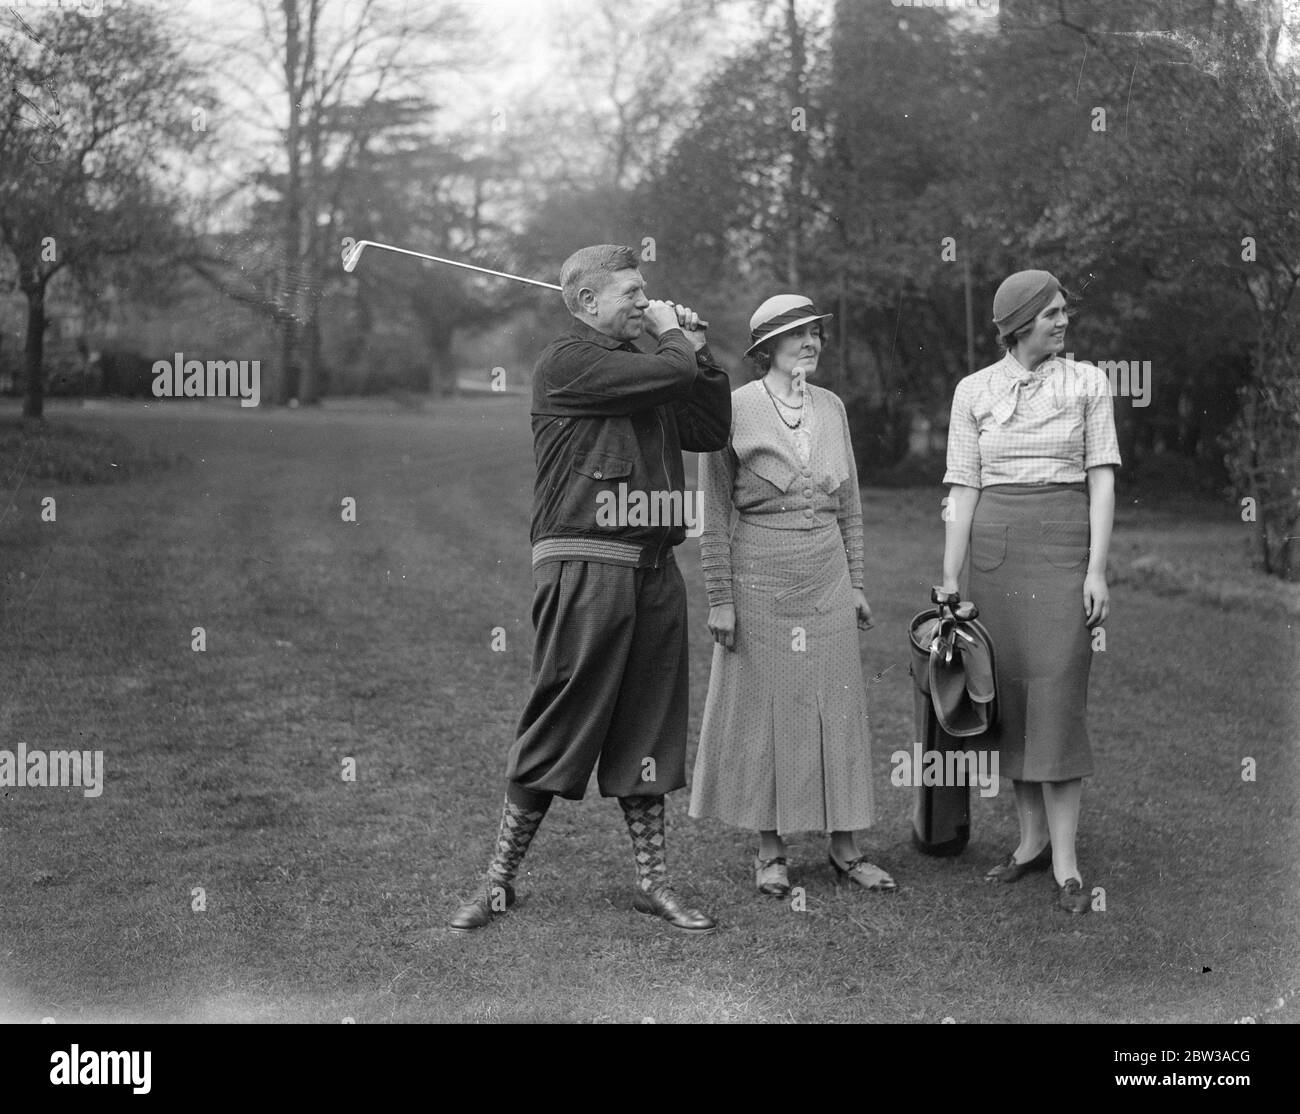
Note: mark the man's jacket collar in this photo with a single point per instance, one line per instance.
(584, 331)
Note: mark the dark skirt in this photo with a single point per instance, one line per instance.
(1028, 558)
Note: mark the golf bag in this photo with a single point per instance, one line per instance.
(954, 700)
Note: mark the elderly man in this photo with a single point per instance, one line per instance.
(610, 687)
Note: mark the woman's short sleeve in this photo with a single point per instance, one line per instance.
(1100, 444)
(963, 440)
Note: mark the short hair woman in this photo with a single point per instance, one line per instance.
(1031, 459)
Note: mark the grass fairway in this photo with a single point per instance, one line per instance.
(328, 640)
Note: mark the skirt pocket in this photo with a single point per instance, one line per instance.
(988, 545)
(799, 599)
(817, 594)
(1065, 544)
(836, 594)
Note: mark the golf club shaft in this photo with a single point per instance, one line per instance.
(356, 254)
(350, 263)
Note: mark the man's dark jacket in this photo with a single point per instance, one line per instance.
(606, 414)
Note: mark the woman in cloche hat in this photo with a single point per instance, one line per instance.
(1031, 459)
(784, 745)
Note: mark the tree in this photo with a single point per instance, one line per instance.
(446, 199)
(93, 112)
(1209, 168)
(608, 115)
(910, 184)
(349, 77)
(733, 191)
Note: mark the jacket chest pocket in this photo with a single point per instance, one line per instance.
(988, 545)
(1065, 544)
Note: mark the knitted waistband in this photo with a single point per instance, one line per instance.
(607, 551)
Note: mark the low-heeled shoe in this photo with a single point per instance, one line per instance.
(1072, 897)
(492, 899)
(771, 876)
(1008, 870)
(662, 902)
(865, 874)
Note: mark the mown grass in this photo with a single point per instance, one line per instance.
(328, 640)
(33, 451)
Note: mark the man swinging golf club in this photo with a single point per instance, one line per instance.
(609, 607)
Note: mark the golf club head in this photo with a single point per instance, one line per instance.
(350, 260)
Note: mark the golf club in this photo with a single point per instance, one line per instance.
(350, 263)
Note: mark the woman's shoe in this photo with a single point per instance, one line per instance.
(771, 876)
(865, 874)
(1008, 870)
(1072, 897)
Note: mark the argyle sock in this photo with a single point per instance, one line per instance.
(518, 826)
(645, 823)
